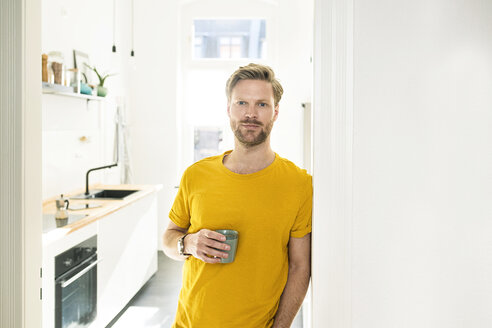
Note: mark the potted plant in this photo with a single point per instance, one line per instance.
(101, 89)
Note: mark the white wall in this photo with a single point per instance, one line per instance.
(87, 27)
(294, 69)
(419, 242)
(422, 164)
(153, 129)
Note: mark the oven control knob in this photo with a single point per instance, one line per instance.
(68, 262)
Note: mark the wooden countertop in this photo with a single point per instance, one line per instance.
(107, 206)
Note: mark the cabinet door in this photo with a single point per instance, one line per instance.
(141, 250)
(127, 246)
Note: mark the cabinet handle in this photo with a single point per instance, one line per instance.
(85, 139)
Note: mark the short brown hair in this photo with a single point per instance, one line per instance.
(255, 72)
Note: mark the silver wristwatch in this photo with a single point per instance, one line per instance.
(181, 246)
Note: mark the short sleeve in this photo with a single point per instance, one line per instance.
(180, 211)
(302, 223)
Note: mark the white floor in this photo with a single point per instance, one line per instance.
(155, 304)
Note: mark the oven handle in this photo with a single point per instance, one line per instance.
(79, 274)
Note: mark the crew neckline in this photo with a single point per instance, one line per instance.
(246, 175)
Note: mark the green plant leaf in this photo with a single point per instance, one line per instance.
(101, 78)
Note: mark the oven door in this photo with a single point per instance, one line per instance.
(76, 295)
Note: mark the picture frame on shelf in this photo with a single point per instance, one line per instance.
(80, 61)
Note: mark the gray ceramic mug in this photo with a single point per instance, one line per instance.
(232, 237)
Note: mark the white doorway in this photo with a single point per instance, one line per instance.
(201, 100)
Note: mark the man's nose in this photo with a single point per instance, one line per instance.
(251, 112)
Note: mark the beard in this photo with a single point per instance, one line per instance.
(248, 138)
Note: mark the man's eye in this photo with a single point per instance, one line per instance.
(262, 104)
(240, 102)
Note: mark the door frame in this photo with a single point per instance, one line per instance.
(20, 173)
(332, 163)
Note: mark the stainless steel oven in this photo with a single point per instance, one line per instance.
(76, 285)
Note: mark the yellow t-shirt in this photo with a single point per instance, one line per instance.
(266, 208)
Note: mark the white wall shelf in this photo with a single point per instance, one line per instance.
(72, 94)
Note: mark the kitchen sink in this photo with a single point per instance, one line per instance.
(105, 194)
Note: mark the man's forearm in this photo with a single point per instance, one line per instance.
(292, 296)
(170, 242)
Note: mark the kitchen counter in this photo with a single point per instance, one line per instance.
(98, 208)
(127, 242)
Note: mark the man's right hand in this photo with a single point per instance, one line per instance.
(206, 245)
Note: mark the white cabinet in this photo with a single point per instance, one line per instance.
(127, 245)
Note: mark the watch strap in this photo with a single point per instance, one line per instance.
(181, 246)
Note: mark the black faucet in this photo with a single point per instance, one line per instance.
(95, 169)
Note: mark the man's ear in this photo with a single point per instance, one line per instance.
(229, 110)
(275, 116)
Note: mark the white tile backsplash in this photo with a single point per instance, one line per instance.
(77, 136)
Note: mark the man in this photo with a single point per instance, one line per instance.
(264, 197)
